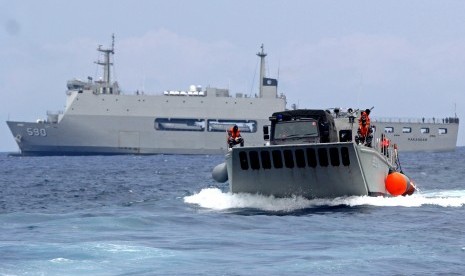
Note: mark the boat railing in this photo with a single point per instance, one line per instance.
(389, 151)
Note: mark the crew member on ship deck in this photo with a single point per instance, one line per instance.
(364, 135)
(234, 137)
(385, 145)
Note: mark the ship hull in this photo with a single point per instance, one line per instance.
(311, 171)
(419, 136)
(136, 136)
(100, 135)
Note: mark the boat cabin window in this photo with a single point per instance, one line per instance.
(288, 159)
(345, 135)
(424, 130)
(406, 130)
(334, 154)
(254, 162)
(266, 160)
(345, 156)
(243, 160)
(389, 129)
(295, 129)
(300, 158)
(178, 124)
(442, 131)
(277, 159)
(222, 125)
(323, 157)
(311, 157)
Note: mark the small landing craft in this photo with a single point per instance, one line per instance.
(312, 154)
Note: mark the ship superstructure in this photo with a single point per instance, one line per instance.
(99, 119)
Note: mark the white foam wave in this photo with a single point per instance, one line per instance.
(213, 198)
(61, 260)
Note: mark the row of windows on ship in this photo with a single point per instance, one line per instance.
(212, 125)
(248, 126)
(423, 130)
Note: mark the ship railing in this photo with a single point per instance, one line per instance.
(184, 93)
(49, 112)
(54, 116)
(433, 120)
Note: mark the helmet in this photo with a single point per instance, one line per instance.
(235, 127)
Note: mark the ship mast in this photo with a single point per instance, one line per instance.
(262, 56)
(106, 62)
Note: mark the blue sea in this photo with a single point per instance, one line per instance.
(164, 215)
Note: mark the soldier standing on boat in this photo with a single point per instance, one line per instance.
(364, 135)
(234, 137)
(385, 145)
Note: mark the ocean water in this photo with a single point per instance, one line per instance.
(164, 215)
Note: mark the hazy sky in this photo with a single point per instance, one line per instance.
(405, 58)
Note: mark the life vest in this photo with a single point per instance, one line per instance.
(364, 130)
(364, 120)
(385, 142)
(234, 134)
(364, 124)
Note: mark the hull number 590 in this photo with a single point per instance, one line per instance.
(33, 131)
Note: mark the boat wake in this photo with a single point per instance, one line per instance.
(215, 199)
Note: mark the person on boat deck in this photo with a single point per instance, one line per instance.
(234, 137)
(385, 145)
(367, 114)
(364, 129)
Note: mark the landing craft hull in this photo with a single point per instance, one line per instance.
(311, 171)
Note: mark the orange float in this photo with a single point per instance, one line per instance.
(399, 184)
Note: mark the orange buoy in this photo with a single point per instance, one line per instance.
(399, 184)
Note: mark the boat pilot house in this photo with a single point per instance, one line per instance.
(301, 126)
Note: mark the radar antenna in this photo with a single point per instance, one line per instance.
(106, 63)
(262, 56)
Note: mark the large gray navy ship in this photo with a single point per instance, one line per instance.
(99, 119)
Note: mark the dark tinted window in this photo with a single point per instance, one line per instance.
(288, 159)
(254, 162)
(266, 160)
(334, 155)
(323, 157)
(277, 159)
(311, 158)
(243, 160)
(345, 156)
(300, 158)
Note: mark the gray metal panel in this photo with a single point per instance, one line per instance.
(319, 182)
